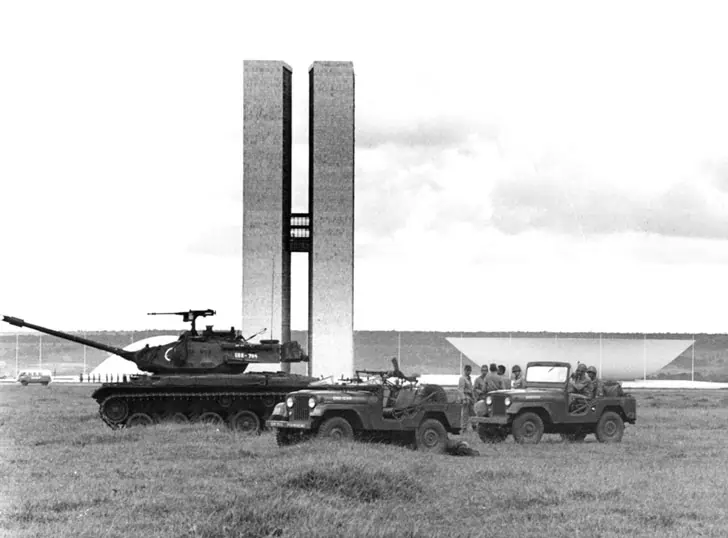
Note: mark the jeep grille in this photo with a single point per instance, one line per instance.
(499, 405)
(300, 408)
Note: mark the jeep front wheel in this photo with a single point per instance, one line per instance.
(528, 429)
(432, 436)
(337, 428)
(610, 428)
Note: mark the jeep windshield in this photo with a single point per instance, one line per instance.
(546, 374)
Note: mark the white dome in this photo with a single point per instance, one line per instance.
(114, 365)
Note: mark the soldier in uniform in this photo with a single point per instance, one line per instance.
(597, 390)
(579, 389)
(517, 382)
(479, 384)
(493, 381)
(465, 393)
(504, 378)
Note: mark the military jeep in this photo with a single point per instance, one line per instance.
(546, 406)
(374, 405)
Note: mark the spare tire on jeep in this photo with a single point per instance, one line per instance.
(432, 394)
(612, 389)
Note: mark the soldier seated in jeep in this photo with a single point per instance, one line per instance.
(580, 390)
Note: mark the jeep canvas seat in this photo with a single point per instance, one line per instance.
(405, 398)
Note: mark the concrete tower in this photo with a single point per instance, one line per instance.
(271, 232)
(266, 198)
(331, 207)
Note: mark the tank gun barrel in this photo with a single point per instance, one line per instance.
(17, 322)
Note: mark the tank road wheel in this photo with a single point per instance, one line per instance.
(528, 429)
(431, 436)
(337, 428)
(245, 422)
(139, 419)
(116, 410)
(491, 435)
(610, 428)
(179, 418)
(175, 418)
(210, 418)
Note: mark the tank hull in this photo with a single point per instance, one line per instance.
(242, 401)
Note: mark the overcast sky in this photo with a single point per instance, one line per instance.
(519, 166)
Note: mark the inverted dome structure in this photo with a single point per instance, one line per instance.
(615, 358)
(114, 365)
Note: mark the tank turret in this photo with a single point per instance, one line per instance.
(194, 352)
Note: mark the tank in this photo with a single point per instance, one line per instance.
(199, 377)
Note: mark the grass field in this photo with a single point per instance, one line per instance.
(64, 473)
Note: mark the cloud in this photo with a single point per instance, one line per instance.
(222, 241)
(572, 207)
(434, 133)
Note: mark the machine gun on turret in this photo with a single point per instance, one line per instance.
(189, 316)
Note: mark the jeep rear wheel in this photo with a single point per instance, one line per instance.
(432, 436)
(610, 428)
(337, 428)
(528, 428)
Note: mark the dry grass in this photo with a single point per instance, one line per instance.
(66, 474)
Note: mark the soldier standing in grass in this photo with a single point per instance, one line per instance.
(465, 393)
(517, 382)
(479, 384)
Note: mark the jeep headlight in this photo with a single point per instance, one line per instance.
(507, 401)
(312, 402)
(280, 410)
(489, 400)
(289, 401)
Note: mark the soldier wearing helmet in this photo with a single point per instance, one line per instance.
(597, 390)
(517, 382)
(579, 389)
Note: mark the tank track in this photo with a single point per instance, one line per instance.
(131, 398)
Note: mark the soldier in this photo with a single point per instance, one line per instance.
(502, 374)
(579, 382)
(479, 384)
(518, 381)
(492, 380)
(465, 393)
(579, 389)
(597, 389)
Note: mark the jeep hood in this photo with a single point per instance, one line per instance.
(531, 394)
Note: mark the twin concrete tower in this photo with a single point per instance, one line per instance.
(272, 232)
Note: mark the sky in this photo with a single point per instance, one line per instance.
(557, 166)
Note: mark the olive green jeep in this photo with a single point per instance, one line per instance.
(374, 405)
(545, 405)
